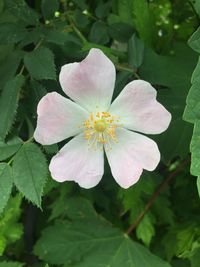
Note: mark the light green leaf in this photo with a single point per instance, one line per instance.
(143, 20)
(78, 244)
(10, 264)
(40, 64)
(8, 104)
(8, 148)
(135, 51)
(196, 5)
(195, 150)
(145, 230)
(30, 172)
(6, 183)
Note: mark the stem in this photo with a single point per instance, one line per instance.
(76, 30)
(121, 67)
(155, 195)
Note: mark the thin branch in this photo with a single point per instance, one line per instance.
(76, 30)
(133, 71)
(155, 195)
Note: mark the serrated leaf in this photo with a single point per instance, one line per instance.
(48, 10)
(10, 264)
(194, 41)
(40, 64)
(10, 64)
(196, 5)
(135, 51)
(8, 104)
(7, 149)
(6, 183)
(195, 150)
(80, 245)
(146, 230)
(30, 172)
(99, 33)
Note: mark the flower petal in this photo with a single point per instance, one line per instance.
(58, 119)
(77, 162)
(139, 110)
(90, 82)
(130, 155)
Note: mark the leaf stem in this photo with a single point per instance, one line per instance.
(76, 30)
(133, 71)
(155, 195)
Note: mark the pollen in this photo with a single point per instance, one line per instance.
(100, 129)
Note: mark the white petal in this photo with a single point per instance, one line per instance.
(139, 110)
(133, 153)
(77, 162)
(90, 83)
(58, 119)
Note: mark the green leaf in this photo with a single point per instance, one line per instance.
(99, 33)
(49, 9)
(120, 31)
(165, 74)
(135, 51)
(10, 64)
(194, 41)
(8, 104)
(143, 20)
(6, 182)
(10, 229)
(195, 150)
(30, 172)
(125, 10)
(10, 264)
(7, 149)
(80, 245)
(11, 33)
(196, 5)
(22, 11)
(40, 64)
(146, 230)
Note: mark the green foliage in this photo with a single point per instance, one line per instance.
(157, 41)
(40, 64)
(6, 183)
(10, 229)
(8, 104)
(56, 240)
(30, 172)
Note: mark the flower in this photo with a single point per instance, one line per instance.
(98, 126)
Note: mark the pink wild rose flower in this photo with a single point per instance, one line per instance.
(98, 126)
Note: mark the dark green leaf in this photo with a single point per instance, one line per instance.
(22, 11)
(120, 31)
(80, 245)
(6, 183)
(99, 33)
(49, 9)
(7, 149)
(30, 172)
(40, 64)
(11, 33)
(8, 104)
(10, 264)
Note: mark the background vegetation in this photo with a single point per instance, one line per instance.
(155, 223)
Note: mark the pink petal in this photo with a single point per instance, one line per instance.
(90, 83)
(77, 162)
(139, 110)
(58, 119)
(130, 155)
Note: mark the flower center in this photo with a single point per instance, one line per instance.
(100, 125)
(100, 128)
